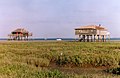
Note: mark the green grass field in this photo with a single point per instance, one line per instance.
(59, 59)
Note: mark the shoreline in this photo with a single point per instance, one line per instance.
(51, 41)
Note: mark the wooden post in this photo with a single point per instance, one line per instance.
(94, 38)
(17, 36)
(79, 38)
(87, 38)
(105, 38)
(20, 37)
(84, 38)
(91, 39)
(27, 36)
(101, 38)
(98, 38)
(24, 37)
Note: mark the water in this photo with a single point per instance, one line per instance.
(64, 39)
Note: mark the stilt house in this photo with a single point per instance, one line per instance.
(19, 34)
(92, 33)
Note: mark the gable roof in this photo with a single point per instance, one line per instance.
(21, 30)
(92, 27)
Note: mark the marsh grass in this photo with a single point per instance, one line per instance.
(38, 62)
(28, 59)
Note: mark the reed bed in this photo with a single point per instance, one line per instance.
(37, 59)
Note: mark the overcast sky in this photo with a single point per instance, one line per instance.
(58, 18)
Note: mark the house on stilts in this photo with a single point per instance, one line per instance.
(92, 33)
(19, 34)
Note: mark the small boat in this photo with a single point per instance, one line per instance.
(59, 39)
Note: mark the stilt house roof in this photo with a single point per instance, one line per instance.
(21, 30)
(91, 27)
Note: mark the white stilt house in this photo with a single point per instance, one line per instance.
(92, 33)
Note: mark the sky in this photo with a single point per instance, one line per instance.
(58, 18)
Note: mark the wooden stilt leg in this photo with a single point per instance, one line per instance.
(91, 39)
(94, 38)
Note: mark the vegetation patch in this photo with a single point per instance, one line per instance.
(23, 71)
(88, 59)
(40, 59)
(38, 62)
(114, 70)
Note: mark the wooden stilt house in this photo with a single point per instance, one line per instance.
(19, 34)
(92, 33)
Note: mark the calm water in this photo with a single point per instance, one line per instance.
(64, 39)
